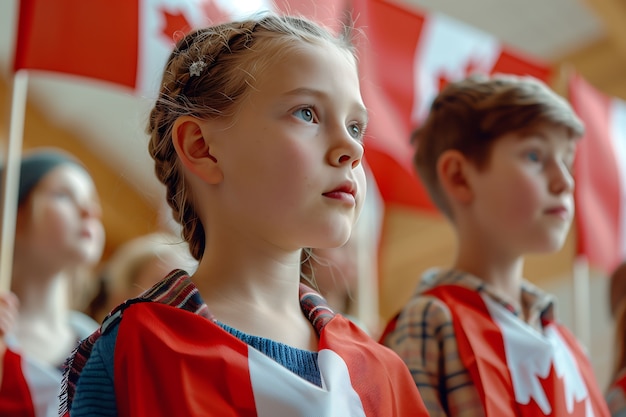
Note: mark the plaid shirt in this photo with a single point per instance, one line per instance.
(424, 338)
(615, 397)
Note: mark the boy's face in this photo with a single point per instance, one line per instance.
(523, 198)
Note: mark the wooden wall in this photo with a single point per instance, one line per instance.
(126, 214)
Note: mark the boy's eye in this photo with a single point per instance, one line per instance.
(305, 113)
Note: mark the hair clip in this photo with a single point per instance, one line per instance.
(196, 68)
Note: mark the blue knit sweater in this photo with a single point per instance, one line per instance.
(96, 394)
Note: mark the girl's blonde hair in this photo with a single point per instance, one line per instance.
(207, 75)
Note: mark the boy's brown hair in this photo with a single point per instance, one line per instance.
(470, 115)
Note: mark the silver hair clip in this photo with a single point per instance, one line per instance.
(196, 68)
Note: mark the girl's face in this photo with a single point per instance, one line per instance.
(60, 222)
(291, 158)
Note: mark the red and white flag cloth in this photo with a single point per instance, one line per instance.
(127, 42)
(600, 173)
(517, 370)
(29, 388)
(359, 376)
(406, 57)
(196, 368)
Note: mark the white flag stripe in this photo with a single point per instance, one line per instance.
(530, 355)
(299, 397)
(447, 48)
(617, 129)
(240, 9)
(43, 382)
(154, 47)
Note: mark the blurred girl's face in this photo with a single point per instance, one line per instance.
(60, 222)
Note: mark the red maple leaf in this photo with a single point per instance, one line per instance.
(176, 25)
(553, 387)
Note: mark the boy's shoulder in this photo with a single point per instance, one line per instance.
(424, 309)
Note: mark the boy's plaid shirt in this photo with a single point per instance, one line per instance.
(424, 338)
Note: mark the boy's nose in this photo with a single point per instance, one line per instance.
(90, 209)
(563, 181)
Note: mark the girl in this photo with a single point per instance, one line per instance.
(58, 229)
(257, 134)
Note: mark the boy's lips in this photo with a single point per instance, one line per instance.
(560, 211)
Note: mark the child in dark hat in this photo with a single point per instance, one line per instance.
(58, 228)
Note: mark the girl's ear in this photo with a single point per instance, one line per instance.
(192, 141)
(452, 170)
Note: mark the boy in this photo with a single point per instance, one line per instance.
(495, 155)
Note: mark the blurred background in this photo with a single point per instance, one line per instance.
(103, 124)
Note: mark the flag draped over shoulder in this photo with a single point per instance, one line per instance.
(600, 173)
(406, 56)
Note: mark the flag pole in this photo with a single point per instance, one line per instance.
(367, 235)
(580, 265)
(10, 177)
(582, 308)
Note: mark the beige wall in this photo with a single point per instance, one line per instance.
(126, 214)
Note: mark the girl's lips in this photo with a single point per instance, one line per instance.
(342, 196)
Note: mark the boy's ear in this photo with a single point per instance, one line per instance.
(192, 141)
(452, 170)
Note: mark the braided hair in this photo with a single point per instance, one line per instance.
(206, 76)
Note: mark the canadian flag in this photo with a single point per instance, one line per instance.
(600, 173)
(127, 42)
(406, 57)
(30, 388)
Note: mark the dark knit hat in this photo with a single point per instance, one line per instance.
(36, 165)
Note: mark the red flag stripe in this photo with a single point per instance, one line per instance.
(404, 60)
(96, 38)
(598, 186)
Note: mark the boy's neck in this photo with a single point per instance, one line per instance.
(503, 275)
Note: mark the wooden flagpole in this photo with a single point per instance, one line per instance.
(581, 298)
(10, 177)
(580, 267)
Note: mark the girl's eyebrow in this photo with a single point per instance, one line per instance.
(305, 91)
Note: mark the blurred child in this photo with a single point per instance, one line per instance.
(616, 395)
(136, 266)
(58, 228)
(257, 135)
(496, 156)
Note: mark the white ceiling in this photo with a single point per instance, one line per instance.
(112, 121)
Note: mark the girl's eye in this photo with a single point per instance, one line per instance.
(306, 114)
(355, 130)
(533, 156)
(59, 194)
